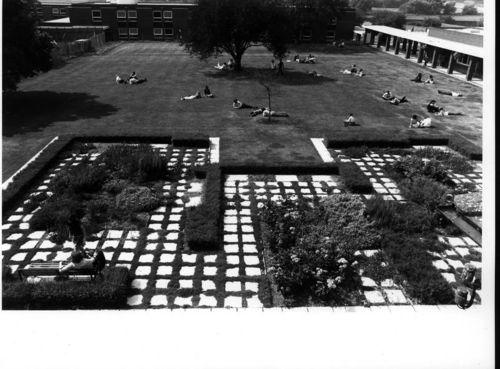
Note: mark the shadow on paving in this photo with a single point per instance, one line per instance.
(34, 110)
(266, 75)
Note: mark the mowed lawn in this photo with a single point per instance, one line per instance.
(83, 98)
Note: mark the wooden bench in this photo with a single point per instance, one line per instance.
(51, 268)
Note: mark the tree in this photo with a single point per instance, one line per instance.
(449, 8)
(390, 19)
(363, 5)
(218, 26)
(431, 22)
(469, 10)
(26, 50)
(426, 7)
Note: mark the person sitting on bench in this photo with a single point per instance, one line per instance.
(432, 107)
(444, 113)
(416, 122)
(120, 80)
(350, 121)
(450, 93)
(207, 92)
(430, 80)
(83, 261)
(418, 78)
(237, 104)
(197, 95)
(396, 101)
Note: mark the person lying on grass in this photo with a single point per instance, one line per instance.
(432, 107)
(450, 93)
(266, 113)
(353, 70)
(237, 104)
(120, 80)
(360, 73)
(396, 101)
(416, 122)
(197, 95)
(444, 113)
(207, 92)
(430, 80)
(315, 74)
(134, 80)
(222, 66)
(387, 95)
(418, 78)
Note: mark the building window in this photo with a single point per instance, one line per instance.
(123, 32)
(96, 15)
(121, 14)
(158, 31)
(169, 31)
(133, 31)
(156, 14)
(132, 14)
(62, 11)
(167, 14)
(55, 11)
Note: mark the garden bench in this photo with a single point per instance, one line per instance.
(461, 221)
(51, 268)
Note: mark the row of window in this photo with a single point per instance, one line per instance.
(134, 32)
(59, 11)
(132, 14)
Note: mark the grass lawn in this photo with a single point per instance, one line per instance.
(83, 98)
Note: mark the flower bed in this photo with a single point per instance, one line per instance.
(469, 203)
(354, 179)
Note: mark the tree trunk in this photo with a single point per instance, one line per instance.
(269, 98)
(237, 62)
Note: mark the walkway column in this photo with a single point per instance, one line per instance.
(398, 44)
(420, 54)
(365, 36)
(471, 68)
(388, 43)
(372, 37)
(379, 40)
(451, 63)
(408, 49)
(395, 40)
(435, 57)
(415, 44)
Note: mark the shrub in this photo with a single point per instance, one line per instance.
(412, 166)
(35, 201)
(137, 199)
(400, 217)
(424, 191)
(451, 161)
(354, 179)
(312, 249)
(465, 147)
(115, 186)
(356, 151)
(203, 223)
(78, 180)
(410, 257)
(110, 292)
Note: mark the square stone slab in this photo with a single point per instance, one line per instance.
(231, 248)
(29, 245)
(233, 259)
(134, 300)
(183, 301)
(374, 297)
(368, 282)
(129, 244)
(387, 283)
(174, 218)
(143, 270)
(139, 283)
(157, 218)
(167, 258)
(153, 236)
(62, 256)
(36, 235)
(126, 256)
(230, 219)
(450, 277)
(440, 264)
(209, 271)
(205, 300)
(133, 235)
(151, 246)
(455, 263)
(254, 302)
(395, 296)
(147, 258)
(233, 286)
(187, 271)
(230, 238)
(189, 258)
(209, 258)
(162, 283)
(463, 251)
(115, 234)
(14, 236)
(233, 301)
(232, 272)
(252, 286)
(230, 228)
(185, 283)
(41, 256)
(170, 246)
(172, 236)
(252, 272)
(173, 227)
(159, 300)
(247, 228)
(250, 249)
(164, 270)
(251, 260)
(248, 238)
(207, 284)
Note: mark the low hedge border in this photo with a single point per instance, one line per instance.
(281, 168)
(203, 227)
(406, 140)
(354, 179)
(109, 293)
(201, 141)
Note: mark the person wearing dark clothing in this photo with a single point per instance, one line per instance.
(432, 107)
(281, 67)
(418, 78)
(207, 92)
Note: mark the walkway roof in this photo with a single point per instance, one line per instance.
(424, 38)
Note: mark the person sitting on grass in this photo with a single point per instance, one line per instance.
(237, 104)
(416, 122)
(197, 95)
(134, 80)
(450, 93)
(430, 80)
(120, 80)
(354, 69)
(360, 73)
(444, 113)
(83, 261)
(311, 59)
(432, 107)
(350, 121)
(387, 95)
(315, 74)
(207, 92)
(418, 78)
(396, 101)
(273, 65)
(222, 66)
(230, 64)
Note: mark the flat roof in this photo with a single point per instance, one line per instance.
(59, 20)
(424, 38)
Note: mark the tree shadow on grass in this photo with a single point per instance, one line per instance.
(291, 77)
(33, 110)
(330, 49)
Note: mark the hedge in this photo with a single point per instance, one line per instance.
(370, 139)
(203, 223)
(281, 168)
(465, 148)
(354, 179)
(108, 293)
(201, 141)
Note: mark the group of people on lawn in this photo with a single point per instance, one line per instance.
(131, 80)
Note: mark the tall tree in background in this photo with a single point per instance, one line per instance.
(233, 26)
(26, 50)
(469, 10)
(390, 19)
(449, 8)
(363, 5)
(426, 7)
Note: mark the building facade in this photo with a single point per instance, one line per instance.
(168, 20)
